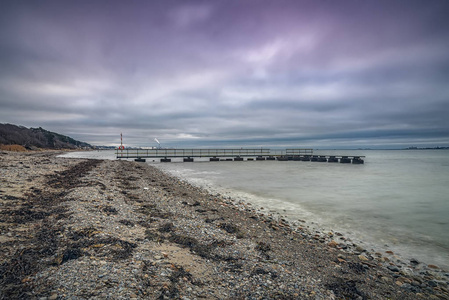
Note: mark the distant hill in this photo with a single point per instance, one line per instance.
(31, 138)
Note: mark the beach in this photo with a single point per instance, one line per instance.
(110, 229)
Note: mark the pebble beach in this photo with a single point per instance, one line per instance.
(111, 229)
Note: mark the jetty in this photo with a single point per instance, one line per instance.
(258, 154)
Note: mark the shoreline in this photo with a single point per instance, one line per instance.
(390, 249)
(124, 229)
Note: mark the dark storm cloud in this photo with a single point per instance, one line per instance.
(316, 73)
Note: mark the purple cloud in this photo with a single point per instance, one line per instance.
(204, 72)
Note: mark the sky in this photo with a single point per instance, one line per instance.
(228, 73)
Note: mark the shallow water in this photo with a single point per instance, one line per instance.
(397, 200)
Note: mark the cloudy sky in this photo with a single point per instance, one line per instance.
(322, 73)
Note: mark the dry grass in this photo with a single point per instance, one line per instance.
(16, 148)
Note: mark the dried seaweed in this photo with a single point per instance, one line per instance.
(34, 253)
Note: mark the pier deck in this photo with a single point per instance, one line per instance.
(188, 155)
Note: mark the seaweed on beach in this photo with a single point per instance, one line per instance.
(109, 210)
(34, 253)
(232, 229)
(25, 262)
(200, 249)
(71, 178)
(126, 223)
(151, 210)
(263, 248)
(171, 290)
(23, 215)
(166, 227)
(154, 236)
(357, 267)
(346, 289)
(68, 254)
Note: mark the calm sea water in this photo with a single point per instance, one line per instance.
(397, 200)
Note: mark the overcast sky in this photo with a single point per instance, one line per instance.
(321, 73)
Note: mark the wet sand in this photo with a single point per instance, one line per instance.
(86, 229)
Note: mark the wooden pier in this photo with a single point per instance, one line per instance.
(188, 155)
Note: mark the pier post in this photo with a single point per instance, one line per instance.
(345, 160)
(332, 159)
(357, 160)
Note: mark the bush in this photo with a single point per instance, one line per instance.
(16, 148)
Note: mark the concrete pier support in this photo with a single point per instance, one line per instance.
(357, 160)
(305, 158)
(260, 158)
(165, 159)
(332, 159)
(238, 158)
(214, 159)
(322, 158)
(271, 158)
(345, 160)
(139, 159)
(188, 159)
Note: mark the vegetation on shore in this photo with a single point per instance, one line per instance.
(12, 137)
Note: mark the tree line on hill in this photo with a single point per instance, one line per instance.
(32, 138)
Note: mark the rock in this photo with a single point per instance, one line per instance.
(406, 286)
(432, 267)
(393, 269)
(53, 297)
(432, 283)
(363, 258)
(403, 280)
(359, 249)
(414, 261)
(333, 244)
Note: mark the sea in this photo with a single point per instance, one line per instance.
(398, 200)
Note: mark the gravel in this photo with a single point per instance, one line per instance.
(91, 229)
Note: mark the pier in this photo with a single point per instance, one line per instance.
(258, 154)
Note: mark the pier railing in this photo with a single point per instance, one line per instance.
(157, 153)
(289, 152)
